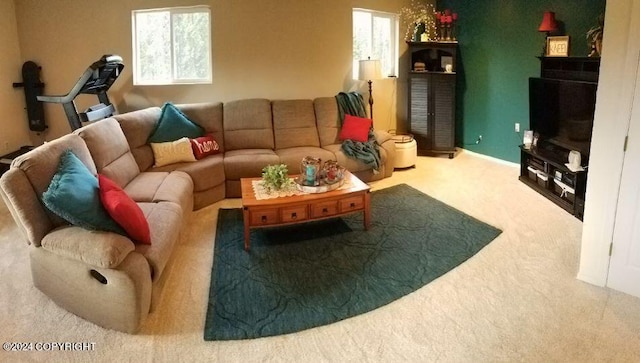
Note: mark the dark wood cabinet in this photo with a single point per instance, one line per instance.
(543, 166)
(432, 96)
(544, 170)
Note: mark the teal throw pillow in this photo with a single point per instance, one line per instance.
(174, 125)
(74, 195)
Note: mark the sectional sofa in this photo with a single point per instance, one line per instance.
(106, 277)
(253, 133)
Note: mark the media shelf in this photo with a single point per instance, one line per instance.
(561, 107)
(546, 173)
(570, 68)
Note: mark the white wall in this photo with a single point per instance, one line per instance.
(613, 111)
(13, 123)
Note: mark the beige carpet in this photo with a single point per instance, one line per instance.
(516, 300)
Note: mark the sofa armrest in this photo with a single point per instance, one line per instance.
(96, 248)
(382, 136)
(386, 142)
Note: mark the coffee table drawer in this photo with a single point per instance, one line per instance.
(324, 209)
(293, 214)
(353, 203)
(262, 217)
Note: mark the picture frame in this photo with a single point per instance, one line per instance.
(558, 46)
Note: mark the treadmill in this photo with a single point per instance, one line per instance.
(96, 80)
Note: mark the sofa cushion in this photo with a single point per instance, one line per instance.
(110, 150)
(40, 164)
(206, 173)
(327, 120)
(248, 125)
(165, 222)
(208, 116)
(73, 195)
(294, 124)
(173, 124)
(247, 163)
(204, 146)
(96, 248)
(137, 126)
(170, 152)
(123, 210)
(153, 187)
(355, 128)
(352, 164)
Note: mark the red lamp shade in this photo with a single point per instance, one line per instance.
(548, 22)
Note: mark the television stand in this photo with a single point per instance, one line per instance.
(545, 172)
(542, 167)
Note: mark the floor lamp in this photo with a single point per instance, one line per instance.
(369, 70)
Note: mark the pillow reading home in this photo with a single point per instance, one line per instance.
(204, 146)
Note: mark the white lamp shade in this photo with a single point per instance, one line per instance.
(369, 69)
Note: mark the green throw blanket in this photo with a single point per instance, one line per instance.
(368, 152)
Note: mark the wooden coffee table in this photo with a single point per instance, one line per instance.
(303, 208)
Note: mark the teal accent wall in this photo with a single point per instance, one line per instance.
(498, 45)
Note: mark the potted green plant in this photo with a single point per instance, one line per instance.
(594, 37)
(275, 177)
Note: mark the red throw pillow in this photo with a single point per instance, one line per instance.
(355, 128)
(124, 210)
(204, 146)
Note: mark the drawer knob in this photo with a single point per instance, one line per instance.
(294, 215)
(352, 205)
(325, 211)
(264, 219)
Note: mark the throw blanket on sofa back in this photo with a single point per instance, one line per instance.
(368, 152)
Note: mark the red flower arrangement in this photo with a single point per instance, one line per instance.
(446, 24)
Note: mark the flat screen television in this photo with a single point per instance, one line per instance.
(561, 112)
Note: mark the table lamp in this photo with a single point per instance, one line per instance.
(547, 26)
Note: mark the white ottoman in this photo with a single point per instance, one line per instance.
(406, 151)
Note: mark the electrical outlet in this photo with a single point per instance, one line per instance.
(517, 128)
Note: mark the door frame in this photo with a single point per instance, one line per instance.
(611, 122)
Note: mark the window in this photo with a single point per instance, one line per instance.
(375, 36)
(171, 45)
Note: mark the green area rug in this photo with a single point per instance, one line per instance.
(303, 276)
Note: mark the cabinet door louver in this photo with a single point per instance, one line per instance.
(420, 110)
(444, 109)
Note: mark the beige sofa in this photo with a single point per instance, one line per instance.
(253, 133)
(106, 278)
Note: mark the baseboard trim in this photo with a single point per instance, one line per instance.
(499, 161)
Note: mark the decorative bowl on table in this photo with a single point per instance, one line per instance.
(320, 186)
